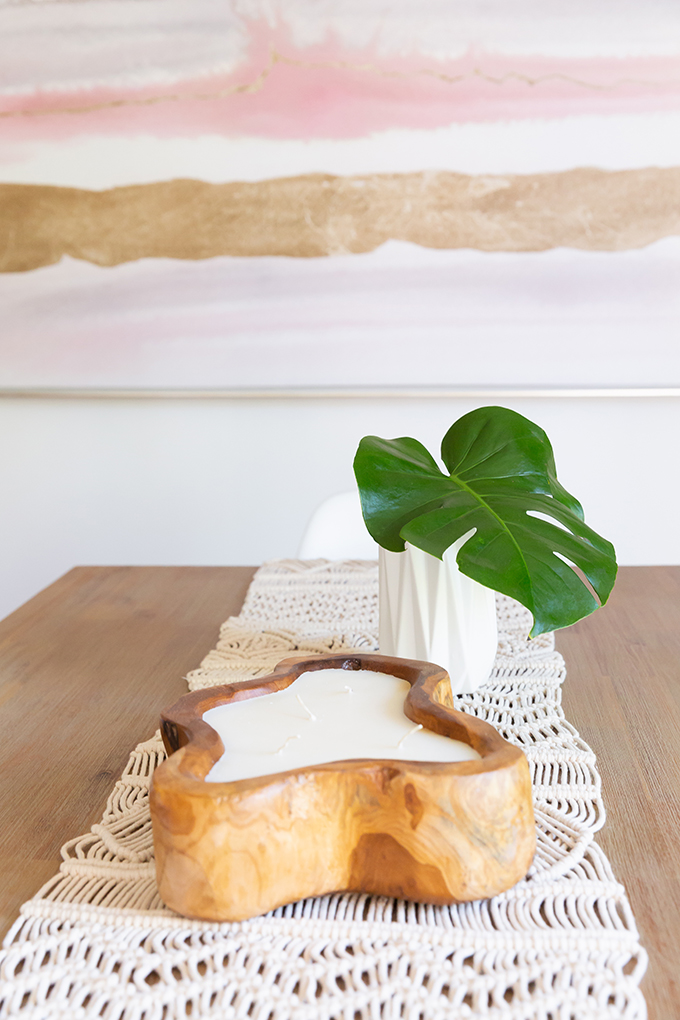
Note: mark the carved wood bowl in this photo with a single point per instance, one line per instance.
(434, 832)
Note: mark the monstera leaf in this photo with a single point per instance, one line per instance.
(529, 531)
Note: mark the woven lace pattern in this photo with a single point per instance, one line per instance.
(97, 941)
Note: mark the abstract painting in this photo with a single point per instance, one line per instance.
(247, 194)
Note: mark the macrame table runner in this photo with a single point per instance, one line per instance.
(97, 941)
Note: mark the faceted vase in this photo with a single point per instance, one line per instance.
(430, 610)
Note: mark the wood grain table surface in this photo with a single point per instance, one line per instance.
(88, 663)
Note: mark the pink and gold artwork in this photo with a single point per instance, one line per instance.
(243, 194)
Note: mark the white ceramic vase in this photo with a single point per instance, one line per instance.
(430, 610)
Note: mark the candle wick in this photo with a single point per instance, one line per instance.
(296, 736)
(312, 717)
(349, 689)
(410, 733)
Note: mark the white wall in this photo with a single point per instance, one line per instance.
(234, 482)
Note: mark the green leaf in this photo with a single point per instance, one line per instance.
(502, 474)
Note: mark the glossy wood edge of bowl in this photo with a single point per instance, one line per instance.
(183, 726)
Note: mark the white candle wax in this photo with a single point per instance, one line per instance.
(325, 715)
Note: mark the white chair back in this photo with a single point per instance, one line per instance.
(336, 531)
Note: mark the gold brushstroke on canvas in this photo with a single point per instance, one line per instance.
(319, 214)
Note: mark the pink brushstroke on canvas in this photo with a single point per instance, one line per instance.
(354, 320)
(326, 91)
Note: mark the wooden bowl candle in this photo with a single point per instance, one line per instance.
(436, 831)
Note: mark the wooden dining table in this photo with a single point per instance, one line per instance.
(87, 665)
